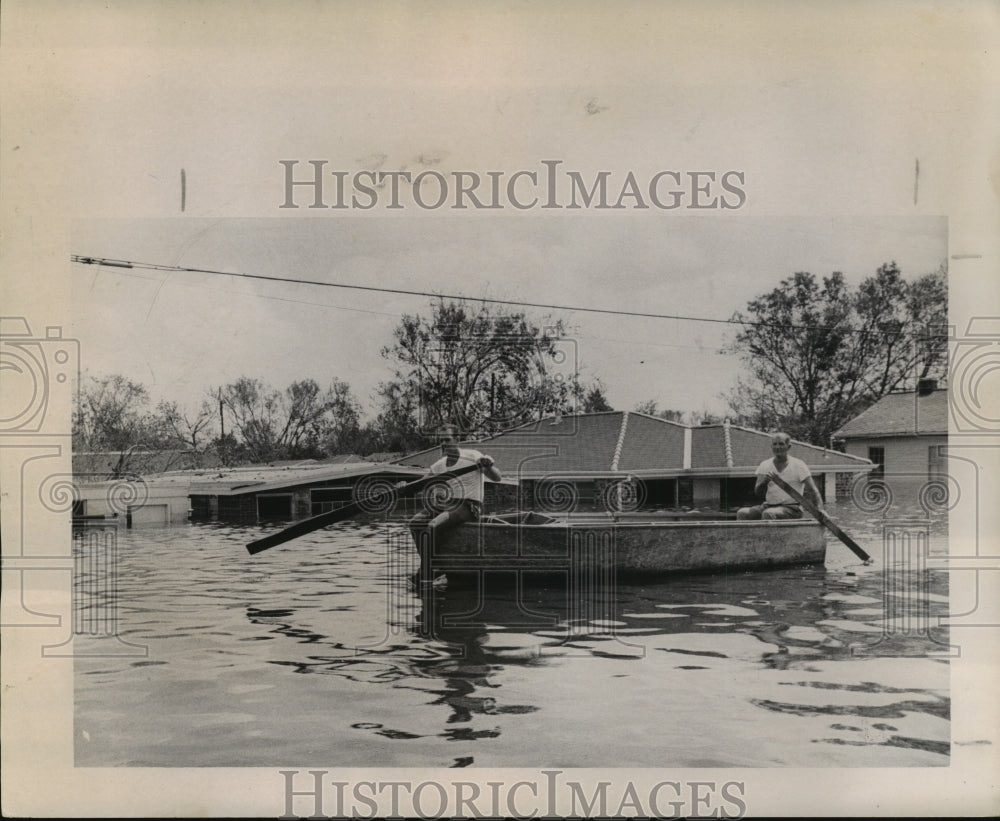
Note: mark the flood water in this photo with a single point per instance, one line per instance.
(319, 652)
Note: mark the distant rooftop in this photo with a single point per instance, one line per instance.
(258, 478)
(901, 414)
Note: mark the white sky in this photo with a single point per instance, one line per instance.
(821, 113)
(182, 333)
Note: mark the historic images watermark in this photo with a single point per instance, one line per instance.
(913, 617)
(911, 507)
(38, 378)
(974, 378)
(315, 794)
(310, 184)
(95, 595)
(38, 374)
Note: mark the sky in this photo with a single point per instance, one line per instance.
(181, 334)
(823, 117)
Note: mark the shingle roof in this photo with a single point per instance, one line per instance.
(623, 442)
(651, 443)
(901, 414)
(583, 443)
(751, 447)
(708, 447)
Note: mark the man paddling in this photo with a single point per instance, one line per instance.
(465, 493)
(777, 503)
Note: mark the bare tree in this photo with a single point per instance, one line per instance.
(185, 431)
(298, 422)
(111, 419)
(816, 353)
(478, 366)
(651, 408)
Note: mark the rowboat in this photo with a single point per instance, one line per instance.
(536, 543)
(619, 542)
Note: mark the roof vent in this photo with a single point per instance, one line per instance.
(925, 387)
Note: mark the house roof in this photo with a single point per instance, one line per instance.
(622, 442)
(261, 478)
(580, 443)
(737, 451)
(383, 456)
(342, 459)
(649, 443)
(708, 447)
(901, 414)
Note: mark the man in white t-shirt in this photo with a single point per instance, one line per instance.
(469, 486)
(777, 504)
(464, 498)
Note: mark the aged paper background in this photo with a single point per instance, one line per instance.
(840, 109)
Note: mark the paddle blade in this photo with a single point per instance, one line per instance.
(331, 517)
(302, 528)
(822, 518)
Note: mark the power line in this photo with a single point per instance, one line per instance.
(311, 303)
(121, 263)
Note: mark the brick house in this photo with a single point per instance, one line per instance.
(625, 460)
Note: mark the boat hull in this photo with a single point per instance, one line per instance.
(628, 547)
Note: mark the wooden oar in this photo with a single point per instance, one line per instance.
(821, 517)
(346, 512)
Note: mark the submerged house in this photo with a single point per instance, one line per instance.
(132, 500)
(626, 460)
(583, 463)
(904, 434)
(286, 491)
(276, 491)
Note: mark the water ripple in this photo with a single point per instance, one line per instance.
(251, 659)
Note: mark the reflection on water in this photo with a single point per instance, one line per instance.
(320, 652)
